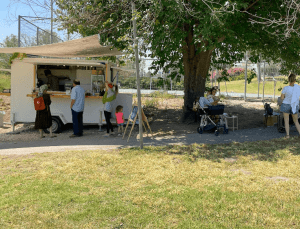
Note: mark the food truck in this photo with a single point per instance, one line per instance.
(27, 73)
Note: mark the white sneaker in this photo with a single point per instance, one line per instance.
(106, 135)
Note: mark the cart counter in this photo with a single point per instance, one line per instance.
(93, 107)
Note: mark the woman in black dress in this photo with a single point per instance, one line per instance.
(43, 118)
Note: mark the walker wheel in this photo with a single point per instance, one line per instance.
(281, 130)
(216, 132)
(199, 130)
(225, 131)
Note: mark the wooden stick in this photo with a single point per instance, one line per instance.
(127, 125)
(145, 128)
(132, 125)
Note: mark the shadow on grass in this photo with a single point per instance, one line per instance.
(270, 150)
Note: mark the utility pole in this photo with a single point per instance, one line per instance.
(51, 39)
(19, 31)
(137, 76)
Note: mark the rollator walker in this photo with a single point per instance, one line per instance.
(207, 124)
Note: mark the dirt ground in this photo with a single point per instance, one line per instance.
(167, 115)
(164, 117)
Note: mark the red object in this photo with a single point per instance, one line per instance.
(39, 104)
(119, 117)
(110, 85)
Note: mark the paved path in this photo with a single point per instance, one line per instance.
(94, 142)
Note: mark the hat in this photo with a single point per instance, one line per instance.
(110, 85)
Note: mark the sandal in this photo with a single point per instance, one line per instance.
(287, 136)
(53, 136)
(42, 137)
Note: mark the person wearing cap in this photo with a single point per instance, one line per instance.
(108, 97)
(77, 107)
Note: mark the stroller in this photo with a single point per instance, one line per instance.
(207, 124)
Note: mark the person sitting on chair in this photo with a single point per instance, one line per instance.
(211, 96)
(209, 101)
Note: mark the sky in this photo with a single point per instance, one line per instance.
(9, 22)
(12, 28)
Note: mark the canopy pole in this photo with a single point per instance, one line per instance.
(137, 76)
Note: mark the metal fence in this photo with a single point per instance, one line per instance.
(151, 84)
(34, 31)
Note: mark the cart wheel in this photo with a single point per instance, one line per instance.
(216, 132)
(225, 131)
(200, 131)
(56, 125)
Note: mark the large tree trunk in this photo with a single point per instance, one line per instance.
(196, 68)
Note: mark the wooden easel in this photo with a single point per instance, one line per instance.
(132, 118)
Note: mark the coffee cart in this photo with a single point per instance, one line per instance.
(27, 72)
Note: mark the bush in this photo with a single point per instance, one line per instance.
(158, 94)
(151, 102)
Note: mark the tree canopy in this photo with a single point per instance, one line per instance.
(9, 41)
(188, 36)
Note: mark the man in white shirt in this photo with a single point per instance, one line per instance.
(77, 107)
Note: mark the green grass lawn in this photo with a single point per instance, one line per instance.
(252, 88)
(4, 81)
(158, 187)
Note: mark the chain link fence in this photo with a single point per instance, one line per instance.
(151, 83)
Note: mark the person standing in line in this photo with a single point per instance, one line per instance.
(77, 107)
(290, 104)
(43, 119)
(108, 97)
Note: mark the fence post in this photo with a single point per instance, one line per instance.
(246, 76)
(37, 36)
(258, 78)
(274, 88)
(212, 75)
(217, 72)
(264, 81)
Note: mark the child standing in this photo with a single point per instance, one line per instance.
(120, 119)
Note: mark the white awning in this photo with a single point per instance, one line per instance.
(84, 47)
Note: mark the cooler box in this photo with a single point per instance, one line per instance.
(271, 120)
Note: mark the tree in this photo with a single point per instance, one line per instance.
(190, 35)
(9, 41)
(45, 37)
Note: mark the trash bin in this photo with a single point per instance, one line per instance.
(2, 113)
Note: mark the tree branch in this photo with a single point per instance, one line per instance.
(251, 5)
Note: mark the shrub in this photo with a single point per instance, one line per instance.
(151, 102)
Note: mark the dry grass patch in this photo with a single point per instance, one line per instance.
(192, 186)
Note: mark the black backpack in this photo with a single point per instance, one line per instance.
(268, 109)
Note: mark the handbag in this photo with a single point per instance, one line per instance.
(39, 104)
